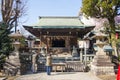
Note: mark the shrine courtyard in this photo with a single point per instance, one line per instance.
(62, 76)
(72, 51)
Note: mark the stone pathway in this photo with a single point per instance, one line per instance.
(3, 78)
(59, 76)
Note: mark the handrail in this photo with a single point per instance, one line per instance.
(89, 57)
(59, 59)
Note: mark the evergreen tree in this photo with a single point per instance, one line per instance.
(11, 10)
(5, 43)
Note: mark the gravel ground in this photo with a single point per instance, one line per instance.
(71, 76)
(59, 76)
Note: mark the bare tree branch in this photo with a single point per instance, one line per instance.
(11, 10)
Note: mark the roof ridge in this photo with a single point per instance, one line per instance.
(58, 17)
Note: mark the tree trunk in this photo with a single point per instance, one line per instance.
(113, 43)
(113, 39)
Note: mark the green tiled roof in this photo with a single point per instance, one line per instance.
(59, 22)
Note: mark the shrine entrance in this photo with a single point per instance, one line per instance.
(58, 43)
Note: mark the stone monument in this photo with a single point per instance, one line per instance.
(74, 52)
(101, 64)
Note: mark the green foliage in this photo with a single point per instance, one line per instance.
(101, 8)
(108, 9)
(5, 42)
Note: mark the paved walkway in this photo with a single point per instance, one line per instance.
(60, 76)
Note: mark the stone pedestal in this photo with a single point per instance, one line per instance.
(14, 62)
(101, 65)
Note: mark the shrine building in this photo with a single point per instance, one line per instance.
(58, 34)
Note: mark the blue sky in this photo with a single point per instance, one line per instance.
(36, 8)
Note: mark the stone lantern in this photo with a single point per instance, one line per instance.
(16, 42)
(101, 64)
(14, 56)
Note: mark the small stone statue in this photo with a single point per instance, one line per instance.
(74, 52)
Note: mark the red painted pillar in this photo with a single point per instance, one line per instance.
(118, 74)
